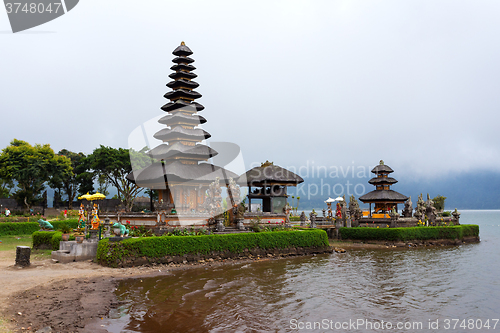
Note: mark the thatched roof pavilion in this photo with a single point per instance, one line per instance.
(383, 197)
(270, 184)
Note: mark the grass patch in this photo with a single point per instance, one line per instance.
(9, 244)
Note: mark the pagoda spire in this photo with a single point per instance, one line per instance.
(181, 138)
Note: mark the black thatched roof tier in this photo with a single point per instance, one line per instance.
(271, 174)
(382, 181)
(383, 196)
(178, 172)
(183, 60)
(182, 83)
(180, 105)
(182, 75)
(382, 168)
(164, 151)
(181, 93)
(182, 51)
(195, 134)
(183, 67)
(180, 117)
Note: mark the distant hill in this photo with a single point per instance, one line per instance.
(471, 190)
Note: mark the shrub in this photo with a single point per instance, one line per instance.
(414, 233)
(64, 228)
(49, 238)
(157, 247)
(40, 238)
(27, 228)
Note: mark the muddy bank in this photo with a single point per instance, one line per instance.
(77, 304)
(357, 244)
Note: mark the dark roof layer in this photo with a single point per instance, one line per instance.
(182, 51)
(183, 67)
(267, 175)
(183, 60)
(383, 196)
(176, 171)
(181, 117)
(182, 83)
(196, 134)
(382, 168)
(180, 105)
(382, 181)
(181, 93)
(180, 75)
(165, 151)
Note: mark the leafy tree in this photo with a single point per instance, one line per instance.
(6, 185)
(103, 185)
(114, 165)
(73, 182)
(439, 202)
(31, 166)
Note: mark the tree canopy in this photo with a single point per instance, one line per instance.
(30, 167)
(114, 164)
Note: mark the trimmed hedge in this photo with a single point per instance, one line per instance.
(27, 228)
(157, 247)
(50, 238)
(413, 233)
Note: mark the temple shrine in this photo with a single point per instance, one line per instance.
(179, 172)
(269, 183)
(383, 197)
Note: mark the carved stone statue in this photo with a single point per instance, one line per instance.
(408, 210)
(214, 199)
(430, 210)
(303, 219)
(354, 210)
(420, 210)
(312, 217)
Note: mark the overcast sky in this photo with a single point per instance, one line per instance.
(333, 83)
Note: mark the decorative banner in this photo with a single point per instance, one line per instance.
(25, 15)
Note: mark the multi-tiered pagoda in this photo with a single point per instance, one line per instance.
(383, 197)
(179, 174)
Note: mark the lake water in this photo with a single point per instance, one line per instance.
(444, 289)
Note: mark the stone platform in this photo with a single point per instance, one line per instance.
(72, 251)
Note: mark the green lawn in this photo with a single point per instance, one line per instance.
(9, 243)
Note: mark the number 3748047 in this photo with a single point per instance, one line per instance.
(32, 7)
(470, 324)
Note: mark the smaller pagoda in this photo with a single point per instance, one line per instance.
(383, 197)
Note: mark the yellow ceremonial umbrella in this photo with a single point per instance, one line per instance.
(97, 196)
(92, 197)
(85, 196)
